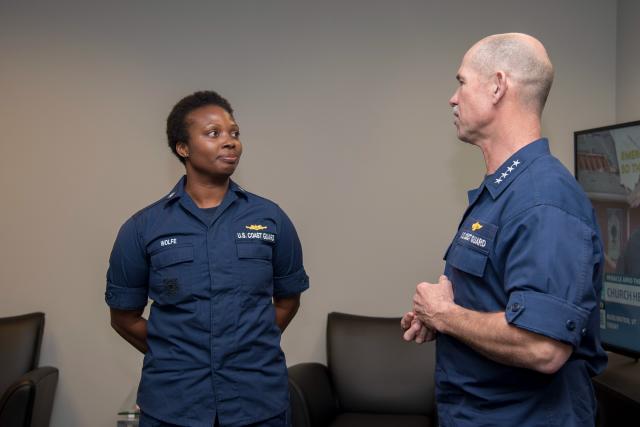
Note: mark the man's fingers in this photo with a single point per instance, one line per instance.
(406, 320)
(443, 279)
(422, 335)
(431, 335)
(417, 308)
(410, 334)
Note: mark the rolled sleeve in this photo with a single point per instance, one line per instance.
(547, 315)
(292, 284)
(128, 272)
(122, 298)
(289, 276)
(549, 273)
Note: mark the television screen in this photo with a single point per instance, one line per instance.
(607, 165)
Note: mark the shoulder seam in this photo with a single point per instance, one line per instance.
(256, 196)
(539, 203)
(146, 208)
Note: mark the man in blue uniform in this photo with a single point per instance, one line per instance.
(516, 313)
(224, 270)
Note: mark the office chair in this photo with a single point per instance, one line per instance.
(26, 390)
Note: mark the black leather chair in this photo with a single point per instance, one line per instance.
(372, 378)
(26, 391)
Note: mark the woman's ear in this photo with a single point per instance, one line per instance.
(182, 149)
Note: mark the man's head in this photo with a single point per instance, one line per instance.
(501, 74)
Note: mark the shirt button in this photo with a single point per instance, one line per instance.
(583, 332)
(516, 306)
(571, 325)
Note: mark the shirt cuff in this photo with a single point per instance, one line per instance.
(292, 284)
(122, 298)
(547, 315)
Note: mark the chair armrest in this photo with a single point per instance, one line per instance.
(15, 404)
(29, 400)
(46, 380)
(313, 403)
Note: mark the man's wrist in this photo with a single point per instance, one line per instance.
(442, 321)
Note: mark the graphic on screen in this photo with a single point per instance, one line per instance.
(608, 168)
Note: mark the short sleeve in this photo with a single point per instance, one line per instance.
(290, 277)
(551, 257)
(127, 277)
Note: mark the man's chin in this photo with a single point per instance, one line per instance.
(466, 139)
(462, 136)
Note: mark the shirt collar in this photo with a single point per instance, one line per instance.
(472, 195)
(497, 182)
(178, 190)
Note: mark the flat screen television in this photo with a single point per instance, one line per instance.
(607, 165)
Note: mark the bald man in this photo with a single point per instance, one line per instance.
(516, 313)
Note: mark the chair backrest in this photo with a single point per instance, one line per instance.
(374, 370)
(20, 340)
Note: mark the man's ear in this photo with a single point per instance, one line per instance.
(182, 149)
(498, 86)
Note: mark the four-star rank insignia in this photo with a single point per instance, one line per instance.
(509, 169)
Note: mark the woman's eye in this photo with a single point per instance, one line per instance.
(213, 133)
(235, 134)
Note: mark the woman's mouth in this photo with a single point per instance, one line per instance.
(229, 159)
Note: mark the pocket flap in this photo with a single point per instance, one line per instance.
(466, 259)
(172, 256)
(253, 250)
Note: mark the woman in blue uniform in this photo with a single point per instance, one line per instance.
(223, 268)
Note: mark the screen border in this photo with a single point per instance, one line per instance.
(607, 346)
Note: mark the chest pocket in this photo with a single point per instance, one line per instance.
(254, 244)
(254, 250)
(172, 256)
(466, 259)
(470, 250)
(170, 277)
(255, 239)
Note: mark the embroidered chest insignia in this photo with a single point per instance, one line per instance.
(255, 227)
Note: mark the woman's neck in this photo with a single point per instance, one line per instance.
(206, 191)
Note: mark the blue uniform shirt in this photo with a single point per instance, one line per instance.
(214, 346)
(529, 245)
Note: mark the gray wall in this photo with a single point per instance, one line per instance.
(628, 61)
(344, 117)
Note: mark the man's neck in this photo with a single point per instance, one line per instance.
(507, 141)
(206, 192)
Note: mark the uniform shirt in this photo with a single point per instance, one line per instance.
(528, 245)
(214, 346)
